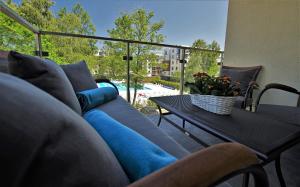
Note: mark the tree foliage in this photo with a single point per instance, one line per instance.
(61, 49)
(202, 61)
(138, 26)
(13, 35)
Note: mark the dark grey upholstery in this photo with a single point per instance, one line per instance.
(122, 111)
(288, 114)
(242, 74)
(3, 62)
(45, 143)
(247, 77)
(46, 75)
(79, 76)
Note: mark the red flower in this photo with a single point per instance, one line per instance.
(199, 74)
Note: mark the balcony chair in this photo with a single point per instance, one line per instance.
(247, 77)
(290, 114)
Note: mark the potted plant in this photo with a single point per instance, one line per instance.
(214, 94)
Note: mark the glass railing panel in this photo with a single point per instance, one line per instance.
(113, 65)
(14, 36)
(151, 75)
(201, 61)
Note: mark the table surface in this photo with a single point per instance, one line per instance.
(267, 136)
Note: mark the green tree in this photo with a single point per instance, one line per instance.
(37, 12)
(61, 49)
(176, 76)
(14, 36)
(139, 26)
(204, 61)
(69, 49)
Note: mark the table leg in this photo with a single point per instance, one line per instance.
(246, 180)
(160, 115)
(279, 172)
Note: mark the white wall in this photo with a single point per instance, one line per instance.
(267, 33)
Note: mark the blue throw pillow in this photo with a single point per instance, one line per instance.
(89, 99)
(137, 155)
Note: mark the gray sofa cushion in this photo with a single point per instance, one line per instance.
(46, 75)
(80, 76)
(45, 143)
(123, 112)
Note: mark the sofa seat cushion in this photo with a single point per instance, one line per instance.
(122, 111)
(80, 76)
(45, 143)
(44, 74)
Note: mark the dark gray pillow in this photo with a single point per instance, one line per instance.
(45, 143)
(242, 74)
(46, 75)
(79, 76)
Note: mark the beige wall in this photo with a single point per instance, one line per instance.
(267, 33)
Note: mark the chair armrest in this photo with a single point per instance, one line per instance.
(252, 85)
(279, 87)
(204, 168)
(107, 81)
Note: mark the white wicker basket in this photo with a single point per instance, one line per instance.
(216, 104)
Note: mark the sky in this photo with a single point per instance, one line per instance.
(185, 20)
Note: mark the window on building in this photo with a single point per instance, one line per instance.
(176, 68)
(172, 68)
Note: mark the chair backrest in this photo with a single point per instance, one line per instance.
(245, 75)
(3, 61)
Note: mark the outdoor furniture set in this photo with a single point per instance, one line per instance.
(45, 141)
(271, 130)
(54, 146)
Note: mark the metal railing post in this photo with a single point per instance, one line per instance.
(222, 59)
(221, 63)
(38, 43)
(182, 61)
(128, 72)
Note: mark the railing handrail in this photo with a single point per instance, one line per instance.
(124, 40)
(12, 14)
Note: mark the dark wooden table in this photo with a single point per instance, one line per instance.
(266, 136)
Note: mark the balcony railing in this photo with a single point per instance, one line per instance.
(183, 50)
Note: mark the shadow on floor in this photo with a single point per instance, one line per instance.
(290, 159)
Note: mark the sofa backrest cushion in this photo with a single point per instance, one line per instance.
(3, 62)
(45, 143)
(46, 75)
(79, 76)
(244, 75)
